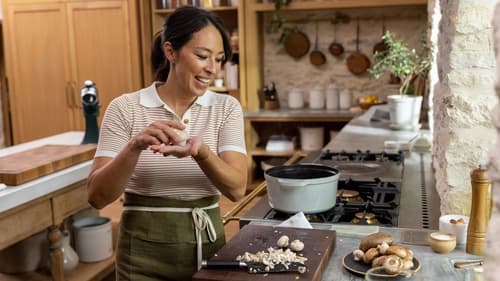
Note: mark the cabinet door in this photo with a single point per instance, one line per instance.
(38, 70)
(104, 49)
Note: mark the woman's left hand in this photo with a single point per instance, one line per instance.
(191, 148)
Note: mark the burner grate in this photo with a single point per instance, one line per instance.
(362, 156)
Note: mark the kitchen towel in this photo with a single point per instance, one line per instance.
(298, 221)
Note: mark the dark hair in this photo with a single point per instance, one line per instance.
(178, 29)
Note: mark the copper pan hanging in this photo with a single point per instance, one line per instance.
(296, 43)
(336, 49)
(357, 62)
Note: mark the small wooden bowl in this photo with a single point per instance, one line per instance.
(442, 242)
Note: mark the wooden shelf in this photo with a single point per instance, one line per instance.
(318, 5)
(300, 115)
(263, 152)
(214, 9)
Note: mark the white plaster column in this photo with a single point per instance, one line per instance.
(492, 252)
(463, 99)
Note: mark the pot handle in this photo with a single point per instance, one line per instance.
(287, 183)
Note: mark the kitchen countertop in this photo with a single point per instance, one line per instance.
(13, 196)
(434, 266)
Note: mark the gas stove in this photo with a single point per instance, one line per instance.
(368, 192)
(362, 165)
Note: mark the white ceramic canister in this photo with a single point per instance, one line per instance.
(332, 97)
(345, 99)
(93, 238)
(296, 98)
(311, 139)
(317, 98)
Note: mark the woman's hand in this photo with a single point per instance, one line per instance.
(161, 132)
(191, 148)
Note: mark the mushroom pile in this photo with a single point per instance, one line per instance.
(379, 249)
(284, 254)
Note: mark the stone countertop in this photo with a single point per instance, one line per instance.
(13, 196)
(433, 266)
(301, 113)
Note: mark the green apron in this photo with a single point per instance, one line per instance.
(161, 245)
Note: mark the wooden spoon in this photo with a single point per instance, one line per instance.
(316, 56)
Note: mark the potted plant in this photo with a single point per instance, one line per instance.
(411, 69)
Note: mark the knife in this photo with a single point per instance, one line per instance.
(465, 264)
(254, 267)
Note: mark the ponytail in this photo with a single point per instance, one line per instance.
(159, 64)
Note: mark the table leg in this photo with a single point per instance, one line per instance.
(56, 254)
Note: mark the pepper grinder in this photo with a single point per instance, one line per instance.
(478, 219)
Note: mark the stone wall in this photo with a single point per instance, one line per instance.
(407, 23)
(463, 99)
(492, 270)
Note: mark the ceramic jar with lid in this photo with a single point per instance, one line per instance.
(332, 97)
(296, 98)
(317, 98)
(345, 99)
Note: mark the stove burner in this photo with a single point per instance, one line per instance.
(364, 218)
(349, 195)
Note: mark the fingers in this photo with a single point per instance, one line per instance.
(175, 150)
(159, 132)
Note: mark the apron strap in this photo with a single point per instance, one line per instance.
(202, 221)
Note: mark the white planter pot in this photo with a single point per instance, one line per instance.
(404, 111)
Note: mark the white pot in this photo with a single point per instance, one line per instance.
(311, 139)
(307, 188)
(93, 238)
(404, 111)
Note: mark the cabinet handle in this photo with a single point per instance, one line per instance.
(69, 99)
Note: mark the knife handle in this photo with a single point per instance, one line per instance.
(210, 264)
(466, 264)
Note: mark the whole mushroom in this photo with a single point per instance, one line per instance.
(297, 245)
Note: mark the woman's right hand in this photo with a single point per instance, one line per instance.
(157, 133)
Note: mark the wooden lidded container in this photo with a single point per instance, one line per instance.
(479, 214)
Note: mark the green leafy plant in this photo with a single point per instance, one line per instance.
(401, 61)
(278, 20)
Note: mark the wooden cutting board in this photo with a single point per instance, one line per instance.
(318, 246)
(30, 164)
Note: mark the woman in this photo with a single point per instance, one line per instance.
(171, 219)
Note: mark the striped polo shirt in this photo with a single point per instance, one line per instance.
(216, 118)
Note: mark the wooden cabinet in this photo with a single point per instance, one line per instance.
(52, 47)
(153, 18)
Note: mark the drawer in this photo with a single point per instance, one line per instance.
(24, 221)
